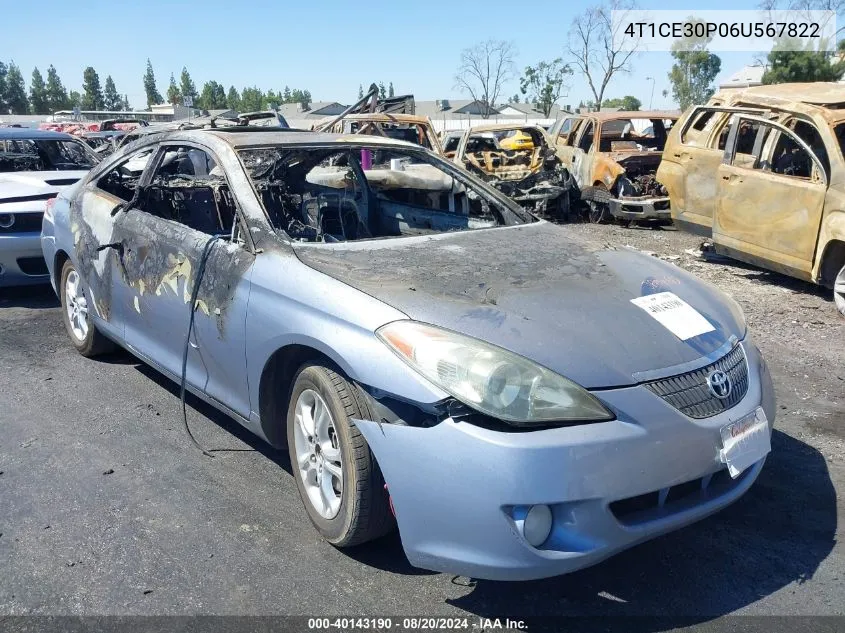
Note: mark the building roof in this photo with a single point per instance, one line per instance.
(24, 133)
(745, 77)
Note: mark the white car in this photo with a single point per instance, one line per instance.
(35, 165)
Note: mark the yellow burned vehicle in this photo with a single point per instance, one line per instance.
(761, 171)
(613, 157)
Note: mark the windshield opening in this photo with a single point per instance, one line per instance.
(336, 195)
(43, 155)
(635, 134)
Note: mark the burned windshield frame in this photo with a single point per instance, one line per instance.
(45, 155)
(511, 214)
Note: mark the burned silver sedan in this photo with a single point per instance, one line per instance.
(433, 356)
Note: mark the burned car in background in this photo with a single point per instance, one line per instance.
(35, 165)
(760, 172)
(402, 127)
(613, 157)
(449, 141)
(392, 328)
(520, 161)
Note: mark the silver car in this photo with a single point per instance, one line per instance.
(519, 402)
(34, 166)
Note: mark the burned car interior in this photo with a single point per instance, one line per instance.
(506, 153)
(43, 155)
(187, 187)
(326, 195)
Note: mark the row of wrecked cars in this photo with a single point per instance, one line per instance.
(756, 170)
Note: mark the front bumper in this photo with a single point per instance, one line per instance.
(640, 208)
(454, 486)
(21, 260)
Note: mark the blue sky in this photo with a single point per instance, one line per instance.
(327, 47)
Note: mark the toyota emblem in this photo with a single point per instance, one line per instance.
(719, 384)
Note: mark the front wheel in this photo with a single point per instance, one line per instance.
(83, 334)
(338, 479)
(839, 291)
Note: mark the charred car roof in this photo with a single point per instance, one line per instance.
(23, 133)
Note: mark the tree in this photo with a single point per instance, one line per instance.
(484, 70)
(300, 96)
(592, 49)
(153, 95)
(174, 97)
(360, 91)
(186, 85)
(125, 106)
(514, 98)
(75, 99)
(626, 103)
(3, 72)
(213, 96)
(112, 101)
(38, 94)
(92, 93)
(57, 97)
(693, 72)
(286, 95)
(544, 83)
(390, 92)
(233, 99)
(252, 99)
(15, 98)
(787, 66)
(382, 91)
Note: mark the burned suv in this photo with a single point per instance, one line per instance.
(613, 157)
(760, 171)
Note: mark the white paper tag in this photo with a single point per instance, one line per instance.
(675, 314)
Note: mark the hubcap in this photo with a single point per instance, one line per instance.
(318, 453)
(77, 306)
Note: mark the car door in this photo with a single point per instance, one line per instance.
(771, 191)
(185, 210)
(92, 223)
(576, 151)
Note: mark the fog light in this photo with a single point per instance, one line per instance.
(537, 525)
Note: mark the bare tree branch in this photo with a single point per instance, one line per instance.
(484, 70)
(592, 49)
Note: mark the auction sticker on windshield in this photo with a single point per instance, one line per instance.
(675, 314)
(745, 442)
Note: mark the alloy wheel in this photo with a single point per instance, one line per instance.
(318, 453)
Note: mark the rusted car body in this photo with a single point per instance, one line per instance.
(522, 162)
(613, 157)
(403, 127)
(761, 171)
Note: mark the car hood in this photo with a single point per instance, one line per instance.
(27, 184)
(540, 291)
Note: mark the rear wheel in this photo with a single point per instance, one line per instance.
(338, 479)
(839, 291)
(83, 334)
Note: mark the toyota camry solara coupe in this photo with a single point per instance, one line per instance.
(520, 402)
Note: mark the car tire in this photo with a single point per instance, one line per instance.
(83, 334)
(598, 210)
(352, 509)
(839, 291)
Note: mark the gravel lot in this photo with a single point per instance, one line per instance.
(106, 508)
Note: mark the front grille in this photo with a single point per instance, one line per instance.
(20, 222)
(668, 501)
(32, 265)
(690, 394)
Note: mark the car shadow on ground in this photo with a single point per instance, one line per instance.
(36, 297)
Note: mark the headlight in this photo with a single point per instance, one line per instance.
(490, 379)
